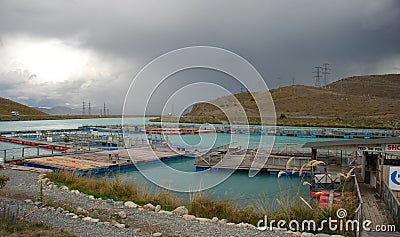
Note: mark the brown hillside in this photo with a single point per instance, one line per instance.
(374, 96)
(6, 106)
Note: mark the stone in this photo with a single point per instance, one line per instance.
(38, 203)
(130, 204)
(106, 223)
(82, 211)
(74, 217)
(59, 209)
(157, 234)
(306, 234)
(223, 221)
(337, 236)
(136, 230)
(297, 233)
(242, 225)
(149, 206)
(75, 191)
(70, 214)
(87, 219)
(28, 201)
(202, 219)
(158, 208)
(110, 201)
(91, 197)
(180, 211)
(140, 208)
(322, 235)
(118, 203)
(168, 213)
(118, 225)
(214, 219)
(121, 214)
(189, 217)
(64, 188)
(94, 220)
(230, 223)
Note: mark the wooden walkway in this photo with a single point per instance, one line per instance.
(374, 209)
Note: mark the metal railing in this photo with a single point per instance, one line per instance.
(393, 204)
(358, 213)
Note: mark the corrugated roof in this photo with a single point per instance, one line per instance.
(352, 142)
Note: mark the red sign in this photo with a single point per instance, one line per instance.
(392, 147)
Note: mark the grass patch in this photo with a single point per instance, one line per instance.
(199, 204)
(10, 225)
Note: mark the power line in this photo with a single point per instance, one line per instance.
(83, 107)
(317, 76)
(325, 71)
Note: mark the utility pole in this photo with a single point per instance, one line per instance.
(325, 71)
(293, 81)
(317, 76)
(89, 108)
(83, 107)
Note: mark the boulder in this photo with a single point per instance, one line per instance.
(130, 204)
(214, 219)
(157, 234)
(64, 188)
(121, 214)
(150, 207)
(180, 211)
(203, 219)
(158, 208)
(189, 217)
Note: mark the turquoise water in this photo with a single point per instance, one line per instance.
(239, 187)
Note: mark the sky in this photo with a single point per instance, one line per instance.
(59, 53)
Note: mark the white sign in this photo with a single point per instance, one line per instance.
(392, 147)
(366, 148)
(394, 177)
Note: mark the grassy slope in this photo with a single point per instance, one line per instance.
(6, 106)
(363, 101)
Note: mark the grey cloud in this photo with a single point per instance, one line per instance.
(283, 39)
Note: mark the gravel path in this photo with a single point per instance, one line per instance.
(24, 185)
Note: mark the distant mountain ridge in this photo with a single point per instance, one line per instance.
(369, 97)
(60, 110)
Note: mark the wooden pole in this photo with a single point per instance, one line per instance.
(313, 157)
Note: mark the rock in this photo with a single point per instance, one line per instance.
(297, 233)
(305, 234)
(70, 214)
(59, 209)
(118, 225)
(74, 217)
(28, 201)
(41, 176)
(49, 183)
(322, 235)
(106, 223)
(136, 230)
(87, 219)
(130, 204)
(158, 208)
(91, 197)
(118, 203)
(214, 219)
(110, 201)
(202, 219)
(230, 223)
(140, 208)
(75, 191)
(337, 236)
(223, 221)
(121, 214)
(82, 211)
(94, 220)
(251, 226)
(149, 206)
(158, 234)
(64, 188)
(180, 211)
(38, 203)
(168, 213)
(189, 217)
(242, 225)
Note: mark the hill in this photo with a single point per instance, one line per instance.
(6, 106)
(373, 98)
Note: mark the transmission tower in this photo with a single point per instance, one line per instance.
(89, 108)
(317, 76)
(83, 107)
(104, 109)
(325, 71)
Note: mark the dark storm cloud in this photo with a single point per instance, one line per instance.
(283, 39)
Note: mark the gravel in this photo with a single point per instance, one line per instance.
(24, 185)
